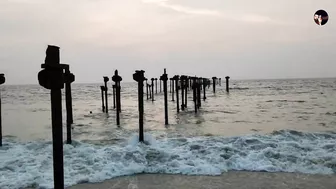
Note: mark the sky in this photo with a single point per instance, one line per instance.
(243, 39)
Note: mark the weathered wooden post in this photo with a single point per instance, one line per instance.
(176, 79)
(68, 78)
(214, 84)
(164, 78)
(204, 87)
(117, 79)
(114, 96)
(227, 83)
(51, 77)
(106, 79)
(152, 79)
(2, 81)
(220, 81)
(102, 89)
(139, 77)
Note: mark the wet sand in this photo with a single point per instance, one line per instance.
(232, 179)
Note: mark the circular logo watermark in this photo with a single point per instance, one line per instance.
(321, 17)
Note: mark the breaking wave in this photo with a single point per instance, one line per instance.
(30, 164)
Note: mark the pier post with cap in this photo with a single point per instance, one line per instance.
(139, 77)
(176, 79)
(214, 84)
(152, 79)
(106, 79)
(117, 79)
(2, 81)
(68, 79)
(164, 78)
(51, 77)
(227, 83)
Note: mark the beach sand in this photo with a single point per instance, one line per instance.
(232, 179)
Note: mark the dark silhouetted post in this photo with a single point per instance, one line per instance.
(156, 85)
(214, 84)
(204, 87)
(160, 86)
(182, 92)
(152, 89)
(194, 87)
(114, 96)
(186, 91)
(2, 81)
(176, 79)
(172, 84)
(147, 88)
(102, 88)
(190, 79)
(164, 78)
(68, 78)
(227, 83)
(138, 76)
(51, 77)
(183, 79)
(117, 79)
(220, 81)
(106, 79)
(199, 92)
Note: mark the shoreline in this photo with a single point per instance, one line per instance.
(231, 179)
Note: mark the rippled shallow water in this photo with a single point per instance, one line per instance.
(265, 125)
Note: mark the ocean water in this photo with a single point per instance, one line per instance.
(261, 125)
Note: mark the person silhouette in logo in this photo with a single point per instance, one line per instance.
(321, 17)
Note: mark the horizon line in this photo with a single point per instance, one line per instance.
(231, 79)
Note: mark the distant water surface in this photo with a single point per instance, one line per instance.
(261, 125)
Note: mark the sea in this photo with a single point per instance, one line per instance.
(284, 125)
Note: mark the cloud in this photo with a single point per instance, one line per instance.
(183, 9)
(208, 12)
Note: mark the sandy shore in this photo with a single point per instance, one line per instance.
(233, 179)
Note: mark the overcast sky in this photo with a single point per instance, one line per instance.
(244, 39)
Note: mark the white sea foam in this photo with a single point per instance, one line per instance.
(27, 164)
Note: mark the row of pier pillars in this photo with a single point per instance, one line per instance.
(54, 76)
(178, 83)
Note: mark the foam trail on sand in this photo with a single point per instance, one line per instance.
(30, 164)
